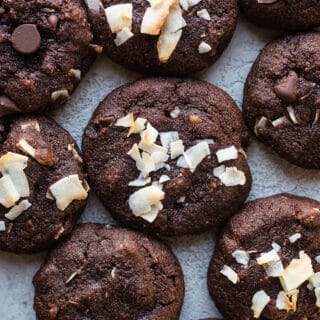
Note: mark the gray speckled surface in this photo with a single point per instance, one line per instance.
(271, 175)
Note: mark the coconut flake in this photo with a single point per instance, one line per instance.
(278, 122)
(17, 210)
(181, 199)
(93, 5)
(317, 258)
(144, 164)
(174, 114)
(2, 226)
(164, 178)
(314, 280)
(276, 247)
(268, 257)
(241, 257)
(13, 164)
(259, 301)
(137, 126)
(230, 153)
(143, 201)
(204, 14)
(123, 36)
(156, 16)
(274, 269)
(125, 121)
(204, 47)
(59, 94)
(119, 16)
(230, 274)
(316, 117)
(75, 73)
(267, 1)
(295, 237)
(171, 33)
(233, 177)
(298, 271)
(218, 171)
(148, 138)
(8, 193)
(31, 124)
(184, 4)
(287, 300)
(140, 181)
(292, 114)
(193, 3)
(167, 138)
(194, 155)
(176, 149)
(68, 189)
(74, 152)
(260, 125)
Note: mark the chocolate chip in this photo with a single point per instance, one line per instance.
(287, 88)
(26, 39)
(53, 21)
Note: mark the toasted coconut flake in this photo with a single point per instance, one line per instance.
(31, 124)
(156, 16)
(8, 193)
(13, 164)
(167, 138)
(75, 153)
(137, 126)
(153, 214)
(280, 121)
(123, 36)
(204, 47)
(125, 121)
(18, 209)
(230, 153)
(59, 233)
(241, 257)
(148, 138)
(119, 16)
(287, 300)
(259, 301)
(292, 115)
(68, 189)
(230, 274)
(268, 257)
(140, 181)
(233, 177)
(142, 201)
(176, 149)
(2, 226)
(171, 33)
(295, 237)
(204, 14)
(298, 271)
(60, 94)
(274, 269)
(194, 155)
(260, 125)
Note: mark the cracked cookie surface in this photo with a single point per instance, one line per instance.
(104, 272)
(282, 98)
(44, 52)
(194, 200)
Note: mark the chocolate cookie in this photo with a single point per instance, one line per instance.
(109, 273)
(42, 187)
(283, 14)
(44, 52)
(165, 155)
(282, 98)
(164, 37)
(266, 262)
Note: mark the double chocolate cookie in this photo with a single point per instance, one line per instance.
(164, 37)
(165, 155)
(42, 186)
(282, 98)
(266, 262)
(44, 52)
(283, 14)
(109, 273)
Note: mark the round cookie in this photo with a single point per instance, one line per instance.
(266, 261)
(188, 38)
(104, 272)
(44, 52)
(282, 98)
(42, 185)
(282, 14)
(141, 176)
